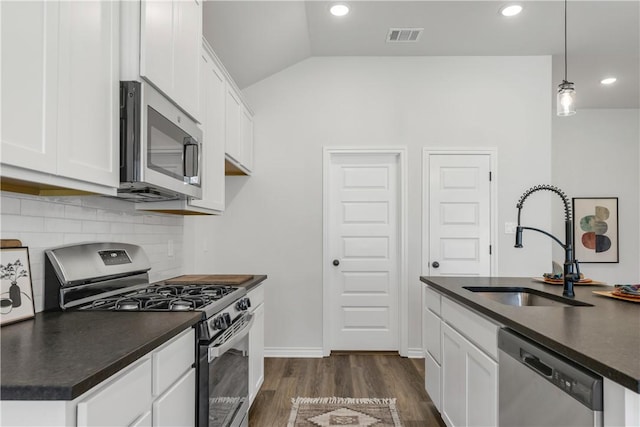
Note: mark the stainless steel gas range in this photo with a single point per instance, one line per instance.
(114, 277)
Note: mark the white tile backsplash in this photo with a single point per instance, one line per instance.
(43, 223)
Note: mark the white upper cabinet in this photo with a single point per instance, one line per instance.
(247, 139)
(88, 92)
(29, 84)
(60, 94)
(239, 135)
(233, 146)
(212, 105)
(170, 41)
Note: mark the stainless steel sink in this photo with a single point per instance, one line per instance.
(524, 297)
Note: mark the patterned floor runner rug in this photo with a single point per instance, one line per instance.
(343, 411)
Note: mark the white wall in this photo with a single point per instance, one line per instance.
(273, 221)
(46, 222)
(595, 154)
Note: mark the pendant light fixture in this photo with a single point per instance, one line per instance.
(566, 100)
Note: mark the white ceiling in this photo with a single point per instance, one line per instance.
(255, 39)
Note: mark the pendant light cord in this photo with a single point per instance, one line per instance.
(565, 40)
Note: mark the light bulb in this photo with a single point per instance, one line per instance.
(566, 100)
(608, 80)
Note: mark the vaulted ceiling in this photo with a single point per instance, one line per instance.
(255, 39)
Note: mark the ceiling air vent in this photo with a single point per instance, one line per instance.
(403, 35)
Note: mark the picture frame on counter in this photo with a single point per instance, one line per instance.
(595, 229)
(16, 289)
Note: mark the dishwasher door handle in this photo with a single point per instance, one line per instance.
(534, 363)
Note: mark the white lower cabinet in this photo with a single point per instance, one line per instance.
(461, 368)
(256, 342)
(156, 390)
(621, 405)
(469, 382)
(130, 392)
(431, 338)
(176, 407)
(433, 380)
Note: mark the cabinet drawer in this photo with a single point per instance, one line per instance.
(256, 295)
(432, 300)
(172, 360)
(474, 327)
(121, 401)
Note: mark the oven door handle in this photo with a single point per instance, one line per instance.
(218, 351)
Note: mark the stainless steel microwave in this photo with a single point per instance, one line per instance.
(160, 147)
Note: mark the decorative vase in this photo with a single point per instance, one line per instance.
(14, 294)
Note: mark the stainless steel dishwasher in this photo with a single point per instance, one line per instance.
(538, 387)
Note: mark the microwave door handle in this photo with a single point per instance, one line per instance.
(218, 351)
(190, 157)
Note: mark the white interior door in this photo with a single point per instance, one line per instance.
(459, 212)
(363, 250)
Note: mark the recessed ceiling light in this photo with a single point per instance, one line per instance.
(608, 80)
(339, 9)
(511, 10)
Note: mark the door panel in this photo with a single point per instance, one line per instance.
(362, 232)
(459, 214)
(29, 84)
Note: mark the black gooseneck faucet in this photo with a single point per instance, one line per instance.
(569, 277)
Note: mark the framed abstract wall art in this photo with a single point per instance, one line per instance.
(16, 292)
(595, 229)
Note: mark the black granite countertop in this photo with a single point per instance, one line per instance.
(604, 338)
(60, 355)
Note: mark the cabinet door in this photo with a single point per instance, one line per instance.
(256, 353)
(122, 401)
(432, 380)
(482, 388)
(453, 378)
(187, 42)
(432, 334)
(247, 139)
(29, 84)
(469, 382)
(213, 121)
(233, 126)
(88, 92)
(156, 43)
(177, 406)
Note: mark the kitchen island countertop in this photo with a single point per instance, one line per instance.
(604, 338)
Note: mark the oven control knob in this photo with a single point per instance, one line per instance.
(221, 322)
(216, 323)
(227, 320)
(243, 304)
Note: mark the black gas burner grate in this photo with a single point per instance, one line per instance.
(164, 298)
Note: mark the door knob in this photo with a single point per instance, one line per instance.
(336, 262)
(435, 264)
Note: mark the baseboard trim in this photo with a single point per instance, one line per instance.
(415, 353)
(293, 352)
(412, 353)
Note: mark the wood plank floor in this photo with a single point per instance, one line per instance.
(348, 374)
